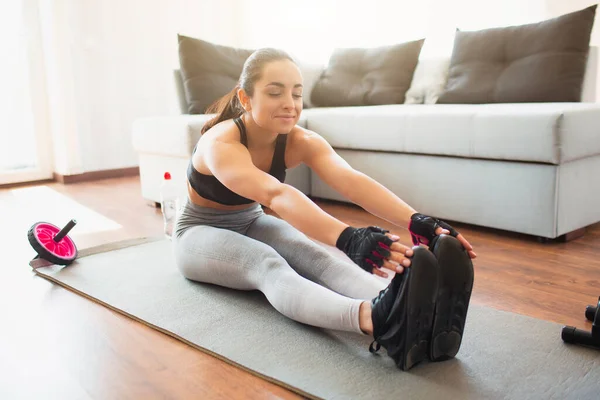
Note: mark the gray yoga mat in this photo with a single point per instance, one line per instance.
(503, 355)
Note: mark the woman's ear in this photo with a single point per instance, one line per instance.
(244, 99)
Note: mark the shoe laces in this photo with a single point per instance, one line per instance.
(386, 307)
(376, 300)
(376, 348)
(380, 295)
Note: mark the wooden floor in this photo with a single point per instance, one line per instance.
(56, 344)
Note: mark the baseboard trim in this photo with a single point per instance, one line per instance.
(25, 184)
(97, 175)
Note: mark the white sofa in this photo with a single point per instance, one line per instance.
(529, 168)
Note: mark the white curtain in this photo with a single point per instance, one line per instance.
(17, 139)
(25, 142)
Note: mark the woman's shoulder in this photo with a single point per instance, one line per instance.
(302, 136)
(216, 138)
(302, 143)
(224, 131)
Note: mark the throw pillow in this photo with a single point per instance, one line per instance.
(209, 71)
(367, 76)
(431, 74)
(311, 72)
(429, 81)
(539, 62)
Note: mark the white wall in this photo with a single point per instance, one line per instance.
(485, 13)
(110, 61)
(559, 7)
(312, 28)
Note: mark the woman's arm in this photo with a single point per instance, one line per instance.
(358, 187)
(231, 164)
(352, 184)
(378, 200)
(293, 206)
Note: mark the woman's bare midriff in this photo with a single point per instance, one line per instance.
(202, 202)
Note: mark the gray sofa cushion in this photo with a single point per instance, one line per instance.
(367, 76)
(540, 62)
(552, 133)
(209, 71)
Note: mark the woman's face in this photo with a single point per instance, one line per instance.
(277, 101)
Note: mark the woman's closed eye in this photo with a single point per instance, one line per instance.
(297, 96)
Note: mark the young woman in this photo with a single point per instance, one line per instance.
(223, 237)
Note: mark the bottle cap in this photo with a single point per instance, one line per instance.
(167, 176)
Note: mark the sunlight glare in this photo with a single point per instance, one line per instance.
(43, 204)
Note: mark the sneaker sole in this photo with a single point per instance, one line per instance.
(454, 294)
(422, 294)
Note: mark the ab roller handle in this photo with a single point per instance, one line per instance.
(63, 232)
(52, 243)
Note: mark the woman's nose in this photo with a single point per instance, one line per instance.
(289, 102)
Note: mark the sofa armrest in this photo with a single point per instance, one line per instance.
(173, 136)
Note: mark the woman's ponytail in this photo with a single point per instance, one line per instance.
(227, 107)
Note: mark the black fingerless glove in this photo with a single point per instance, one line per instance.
(367, 247)
(422, 228)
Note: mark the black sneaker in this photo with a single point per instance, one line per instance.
(382, 305)
(454, 294)
(402, 314)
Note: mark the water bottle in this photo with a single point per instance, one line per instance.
(168, 204)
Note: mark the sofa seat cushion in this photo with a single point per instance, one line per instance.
(173, 136)
(551, 133)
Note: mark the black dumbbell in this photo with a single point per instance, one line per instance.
(573, 335)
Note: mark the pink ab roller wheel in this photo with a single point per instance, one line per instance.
(52, 243)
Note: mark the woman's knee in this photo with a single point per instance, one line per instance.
(298, 243)
(272, 263)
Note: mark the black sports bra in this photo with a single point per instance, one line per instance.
(209, 187)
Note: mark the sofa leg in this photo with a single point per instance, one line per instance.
(567, 237)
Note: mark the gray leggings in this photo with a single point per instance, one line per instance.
(250, 250)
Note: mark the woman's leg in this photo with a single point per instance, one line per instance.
(226, 258)
(313, 261)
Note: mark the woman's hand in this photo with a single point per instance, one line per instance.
(424, 228)
(398, 258)
(460, 238)
(374, 249)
